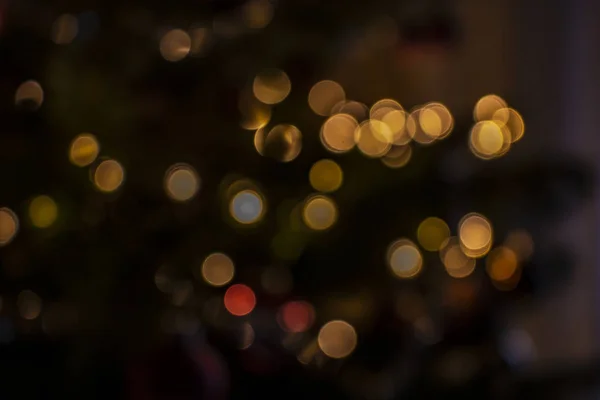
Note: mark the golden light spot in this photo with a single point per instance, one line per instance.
(257, 13)
(181, 182)
(175, 45)
(319, 213)
(432, 233)
(414, 129)
(357, 110)
(489, 140)
(247, 207)
(29, 304)
(397, 156)
(109, 175)
(501, 264)
(381, 108)
(259, 141)
(43, 211)
(404, 259)
(435, 120)
(200, 38)
(521, 243)
(337, 133)
(487, 106)
(513, 123)
(457, 263)
(324, 95)
(396, 122)
(64, 29)
(218, 269)
(475, 234)
(337, 339)
(9, 225)
(373, 138)
(271, 86)
(84, 150)
(326, 176)
(283, 143)
(255, 114)
(29, 94)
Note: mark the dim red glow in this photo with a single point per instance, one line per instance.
(239, 300)
(296, 316)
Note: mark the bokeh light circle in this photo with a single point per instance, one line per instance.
(30, 95)
(397, 156)
(404, 259)
(501, 264)
(271, 86)
(489, 140)
(455, 261)
(475, 234)
(337, 133)
(247, 207)
(175, 45)
(319, 213)
(326, 176)
(239, 300)
(43, 211)
(337, 339)
(9, 225)
(218, 269)
(296, 316)
(373, 138)
(487, 107)
(324, 95)
(181, 182)
(29, 304)
(283, 143)
(432, 233)
(83, 150)
(109, 176)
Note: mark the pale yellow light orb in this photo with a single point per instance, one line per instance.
(337, 339)
(109, 175)
(319, 213)
(43, 211)
(83, 150)
(218, 269)
(326, 176)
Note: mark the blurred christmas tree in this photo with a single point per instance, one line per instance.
(194, 207)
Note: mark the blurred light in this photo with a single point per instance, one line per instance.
(487, 107)
(381, 108)
(414, 128)
(30, 95)
(324, 95)
(109, 176)
(200, 41)
(513, 123)
(404, 259)
(319, 213)
(373, 138)
(43, 211)
(521, 243)
(247, 336)
(239, 300)
(259, 141)
(247, 207)
(457, 264)
(283, 143)
(257, 13)
(276, 280)
(271, 86)
(489, 140)
(181, 182)
(64, 29)
(296, 316)
(435, 120)
(175, 45)
(501, 264)
(9, 225)
(432, 233)
(29, 304)
(255, 114)
(218, 269)
(475, 234)
(397, 156)
(337, 339)
(84, 150)
(337, 133)
(358, 111)
(396, 122)
(326, 176)
(308, 352)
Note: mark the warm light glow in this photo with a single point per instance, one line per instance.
(521, 243)
(489, 140)
(271, 86)
(109, 176)
(43, 211)
(239, 300)
(486, 108)
(65, 29)
(414, 129)
(218, 269)
(502, 264)
(175, 45)
(435, 120)
(513, 122)
(296, 316)
(404, 259)
(457, 264)
(30, 95)
(373, 138)
(84, 150)
(181, 182)
(358, 111)
(383, 107)
(337, 339)
(432, 233)
(396, 122)
(255, 115)
(283, 143)
(397, 156)
(326, 176)
(319, 213)
(9, 225)
(29, 304)
(324, 96)
(257, 13)
(475, 234)
(337, 133)
(247, 207)
(201, 38)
